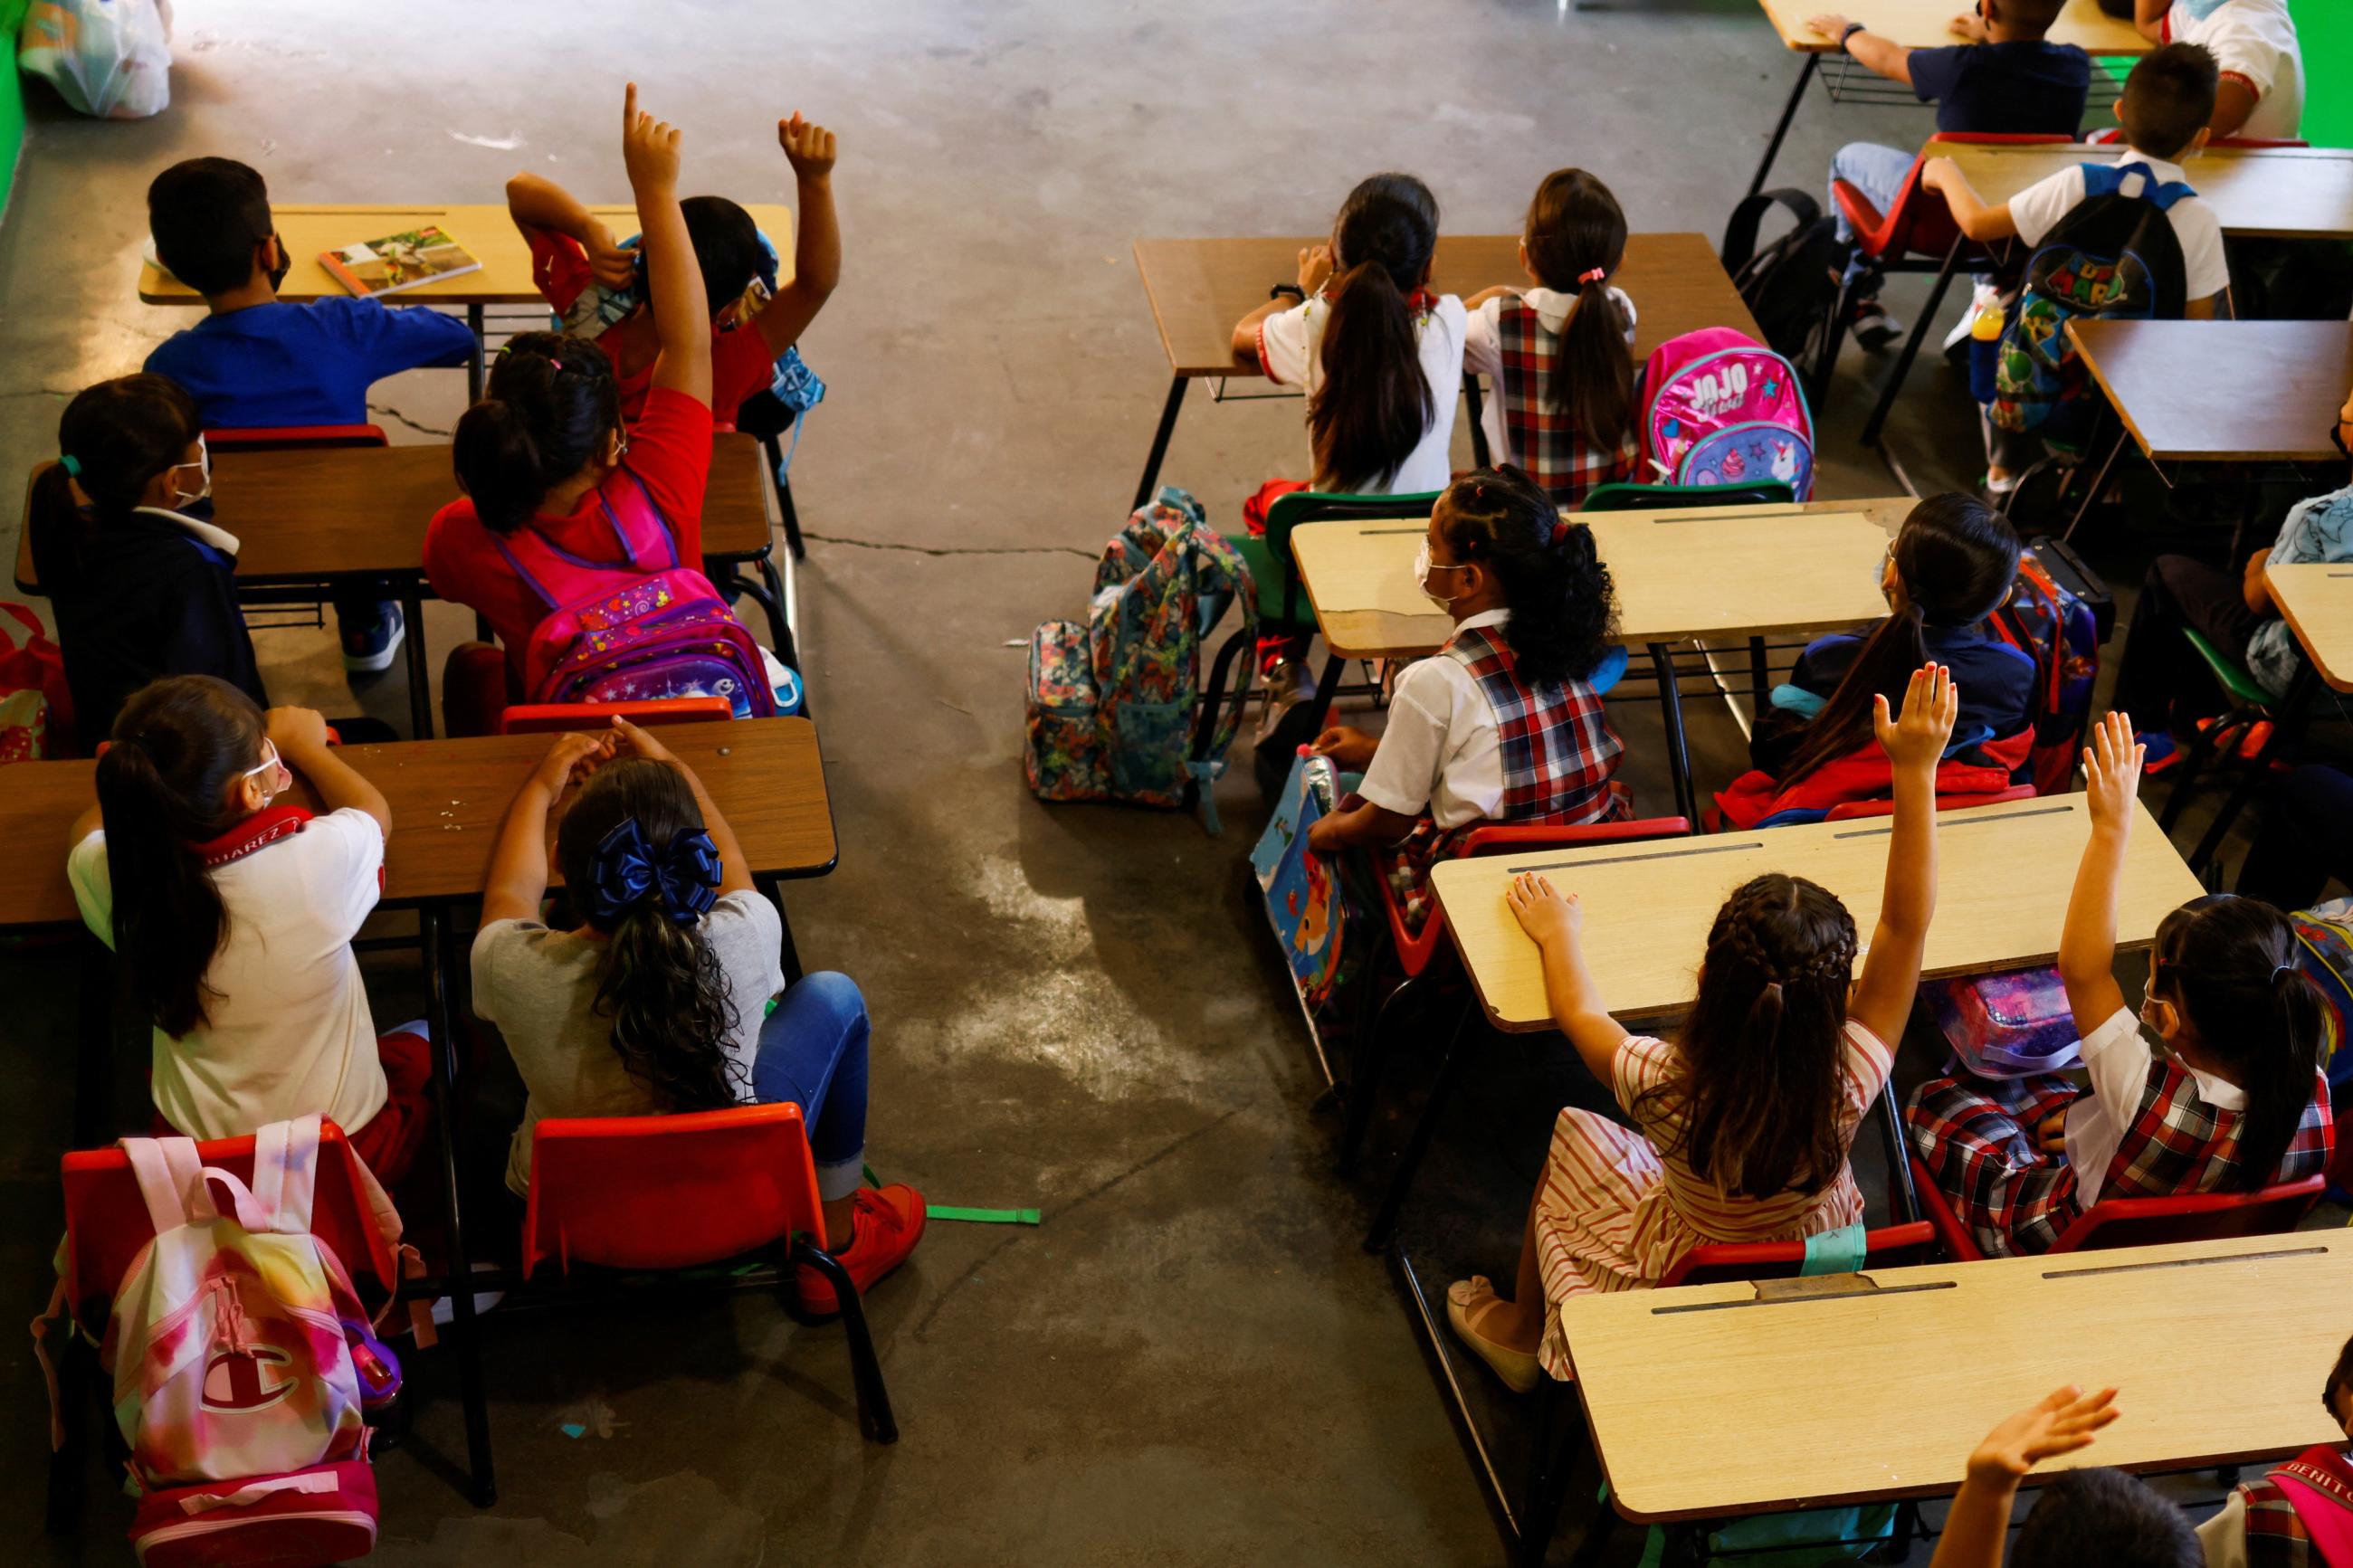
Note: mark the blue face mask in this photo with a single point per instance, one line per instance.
(2200, 9)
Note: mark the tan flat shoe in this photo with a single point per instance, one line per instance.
(1468, 1302)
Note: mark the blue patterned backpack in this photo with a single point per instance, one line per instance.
(1111, 702)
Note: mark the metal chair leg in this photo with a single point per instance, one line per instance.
(2200, 749)
(1450, 1074)
(465, 1329)
(1557, 1419)
(1781, 127)
(1365, 1081)
(1894, 386)
(874, 1417)
(1474, 405)
(2288, 716)
(790, 513)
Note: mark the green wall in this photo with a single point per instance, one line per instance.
(12, 98)
(2325, 28)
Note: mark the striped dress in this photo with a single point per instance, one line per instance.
(1613, 1213)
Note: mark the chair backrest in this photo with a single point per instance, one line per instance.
(1919, 223)
(2258, 141)
(1619, 496)
(1325, 506)
(1888, 1247)
(286, 437)
(1848, 810)
(668, 1192)
(2200, 1216)
(558, 718)
(1415, 949)
(107, 1223)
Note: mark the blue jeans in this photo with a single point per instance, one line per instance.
(813, 1053)
(1878, 172)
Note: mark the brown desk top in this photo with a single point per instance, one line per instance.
(2223, 391)
(448, 798)
(1928, 24)
(483, 228)
(1200, 288)
(2316, 601)
(307, 516)
(1708, 1400)
(2291, 193)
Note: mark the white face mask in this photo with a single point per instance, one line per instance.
(204, 466)
(1423, 567)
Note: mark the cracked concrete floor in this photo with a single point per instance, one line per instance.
(1189, 1362)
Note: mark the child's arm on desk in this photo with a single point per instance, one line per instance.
(1881, 57)
(2149, 19)
(1972, 216)
(1556, 924)
(1914, 742)
(1979, 1524)
(2087, 943)
(1314, 271)
(518, 874)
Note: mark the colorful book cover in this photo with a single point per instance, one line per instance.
(397, 262)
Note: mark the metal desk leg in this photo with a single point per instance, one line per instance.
(2100, 480)
(474, 361)
(1670, 706)
(1760, 679)
(788, 956)
(1475, 402)
(1151, 480)
(93, 1110)
(1449, 1073)
(465, 1331)
(1888, 393)
(420, 672)
(2290, 717)
(1788, 113)
(1327, 687)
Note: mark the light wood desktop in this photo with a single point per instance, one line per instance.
(1705, 1401)
(2317, 599)
(1709, 572)
(2289, 193)
(2211, 392)
(483, 228)
(2004, 875)
(448, 798)
(1928, 24)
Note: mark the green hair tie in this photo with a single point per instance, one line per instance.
(72, 466)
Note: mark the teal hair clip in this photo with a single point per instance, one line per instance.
(72, 466)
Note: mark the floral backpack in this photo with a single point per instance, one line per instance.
(1720, 408)
(1112, 703)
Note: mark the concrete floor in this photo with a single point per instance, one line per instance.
(1190, 1361)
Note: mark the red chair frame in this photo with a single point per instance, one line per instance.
(558, 718)
(292, 437)
(2138, 1222)
(1850, 810)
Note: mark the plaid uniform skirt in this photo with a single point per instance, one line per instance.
(2014, 1199)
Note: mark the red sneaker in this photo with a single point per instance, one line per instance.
(889, 1222)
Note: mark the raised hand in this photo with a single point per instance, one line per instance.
(608, 263)
(2112, 772)
(808, 147)
(1315, 266)
(1916, 738)
(648, 148)
(2062, 1423)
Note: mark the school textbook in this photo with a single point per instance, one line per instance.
(398, 261)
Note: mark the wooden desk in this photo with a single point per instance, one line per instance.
(1200, 288)
(2005, 872)
(2317, 599)
(2213, 392)
(1928, 24)
(484, 228)
(2289, 193)
(1704, 1401)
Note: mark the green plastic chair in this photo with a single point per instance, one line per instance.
(1659, 498)
(2249, 702)
(1283, 603)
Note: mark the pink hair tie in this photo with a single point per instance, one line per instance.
(1593, 276)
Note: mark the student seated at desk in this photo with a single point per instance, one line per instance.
(2301, 1514)
(2255, 44)
(2164, 678)
(598, 287)
(1504, 724)
(233, 912)
(2080, 1517)
(255, 361)
(2236, 1103)
(1950, 567)
(1741, 1128)
(2008, 79)
(655, 1004)
(1560, 353)
(2166, 101)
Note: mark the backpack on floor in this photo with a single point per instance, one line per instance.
(635, 630)
(36, 717)
(1791, 286)
(1720, 408)
(232, 1348)
(2059, 628)
(1111, 704)
(2113, 256)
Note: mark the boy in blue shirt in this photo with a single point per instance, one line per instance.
(2005, 78)
(255, 361)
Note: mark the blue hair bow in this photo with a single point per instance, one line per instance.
(686, 873)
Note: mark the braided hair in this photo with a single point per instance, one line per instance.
(1564, 605)
(1757, 1104)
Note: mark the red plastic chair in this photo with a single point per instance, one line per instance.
(291, 437)
(2139, 1222)
(558, 718)
(1849, 811)
(1884, 1247)
(2113, 135)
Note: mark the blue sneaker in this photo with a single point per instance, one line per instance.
(371, 648)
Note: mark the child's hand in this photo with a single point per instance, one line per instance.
(2062, 1423)
(574, 755)
(636, 743)
(295, 731)
(648, 148)
(2050, 1132)
(1550, 919)
(1916, 738)
(1939, 173)
(809, 148)
(2112, 773)
(1351, 750)
(1830, 25)
(1314, 269)
(1971, 25)
(611, 265)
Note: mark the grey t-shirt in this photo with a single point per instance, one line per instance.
(539, 987)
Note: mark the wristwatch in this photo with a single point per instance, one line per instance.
(1291, 291)
(1851, 29)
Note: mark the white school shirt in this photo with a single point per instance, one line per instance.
(2254, 39)
(1482, 349)
(290, 1034)
(1291, 351)
(2038, 209)
(1441, 750)
(2118, 1056)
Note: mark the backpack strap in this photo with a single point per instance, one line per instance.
(2108, 180)
(629, 562)
(167, 1170)
(661, 530)
(530, 582)
(286, 1173)
(1740, 234)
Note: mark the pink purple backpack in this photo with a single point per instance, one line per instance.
(1720, 408)
(635, 630)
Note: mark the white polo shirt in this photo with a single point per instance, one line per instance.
(2118, 1056)
(2254, 39)
(1441, 751)
(1482, 349)
(2038, 209)
(1291, 351)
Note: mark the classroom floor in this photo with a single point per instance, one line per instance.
(1190, 1361)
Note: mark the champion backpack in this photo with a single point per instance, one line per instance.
(2059, 628)
(1720, 408)
(1791, 286)
(637, 630)
(1111, 702)
(2113, 256)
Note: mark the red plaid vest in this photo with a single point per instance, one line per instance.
(1546, 444)
(2311, 1495)
(2178, 1144)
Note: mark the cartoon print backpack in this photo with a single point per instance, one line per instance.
(237, 1343)
(2057, 628)
(635, 630)
(1309, 904)
(2113, 258)
(1111, 703)
(1720, 408)
(2323, 936)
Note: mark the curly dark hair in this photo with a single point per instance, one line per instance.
(1564, 606)
(659, 980)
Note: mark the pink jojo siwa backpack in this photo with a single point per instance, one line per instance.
(1720, 408)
